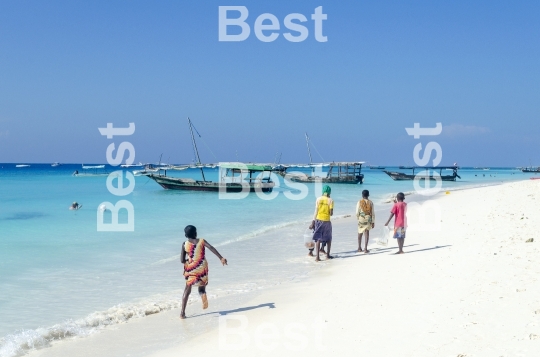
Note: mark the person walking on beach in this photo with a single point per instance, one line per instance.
(195, 265)
(324, 209)
(365, 213)
(399, 210)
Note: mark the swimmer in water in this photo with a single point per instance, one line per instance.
(75, 206)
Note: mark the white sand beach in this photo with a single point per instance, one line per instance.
(470, 289)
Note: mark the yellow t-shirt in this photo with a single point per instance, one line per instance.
(322, 208)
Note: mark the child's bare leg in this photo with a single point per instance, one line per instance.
(360, 242)
(328, 256)
(185, 297)
(202, 293)
(317, 247)
(400, 241)
(311, 252)
(367, 240)
(323, 244)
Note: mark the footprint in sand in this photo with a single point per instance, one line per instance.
(532, 336)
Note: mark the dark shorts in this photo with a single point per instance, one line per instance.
(323, 231)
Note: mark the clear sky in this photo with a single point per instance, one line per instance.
(69, 67)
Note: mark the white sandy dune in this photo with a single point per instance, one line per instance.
(470, 289)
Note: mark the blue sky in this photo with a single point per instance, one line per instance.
(67, 68)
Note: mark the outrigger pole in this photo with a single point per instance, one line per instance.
(195, 147)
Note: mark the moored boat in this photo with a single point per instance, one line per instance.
(236, 177)
(148, 169)
(425, 174)
(92, 171)
(338, 172)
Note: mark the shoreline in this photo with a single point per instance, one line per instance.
(254, 298)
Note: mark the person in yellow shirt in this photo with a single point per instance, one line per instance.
(324, 209)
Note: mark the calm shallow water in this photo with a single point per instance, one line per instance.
(55, 266)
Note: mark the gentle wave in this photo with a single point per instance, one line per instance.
(20, 342)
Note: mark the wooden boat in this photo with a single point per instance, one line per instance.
(235, 176)
(400, 176)
(338, 172)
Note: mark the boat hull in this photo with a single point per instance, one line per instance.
(173, 183)
(353, 180)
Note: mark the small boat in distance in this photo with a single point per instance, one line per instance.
(400, 176)
(406, 167)
(148, 169)
(56, 164)
(377, 167)
(531, 169)
(91, 171)
(22, 165)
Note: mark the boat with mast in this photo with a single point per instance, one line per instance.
(338, 172)
(400, 176)
(234, 176)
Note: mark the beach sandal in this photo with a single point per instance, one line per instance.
(204, 301)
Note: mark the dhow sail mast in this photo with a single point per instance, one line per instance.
(308, 150)
(195, 148)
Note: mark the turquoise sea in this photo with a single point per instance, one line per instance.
(60, 277)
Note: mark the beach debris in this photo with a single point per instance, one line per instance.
(537, 312)
(533, 336)
(530, 240)
(520, 290)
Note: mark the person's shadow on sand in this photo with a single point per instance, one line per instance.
(270, 305)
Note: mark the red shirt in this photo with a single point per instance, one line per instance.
(400, 211)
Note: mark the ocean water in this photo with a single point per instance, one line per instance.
(60, 277)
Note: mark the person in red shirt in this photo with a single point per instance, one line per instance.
(400, 225)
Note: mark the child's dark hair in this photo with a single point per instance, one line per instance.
(190, 232)
(400, 196)
(365, 194)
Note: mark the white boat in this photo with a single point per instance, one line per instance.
(55, 164)
(22, 166)
(147, 170)
(92, 171)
